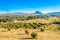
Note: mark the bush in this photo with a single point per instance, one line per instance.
(38, 25)
(34, 35)
(42, 29)
(26, 25)
(33, 26)
(26, 32)
(9, 29)
(17, 26)
(58, 28)
(21, 24)
(35, 23)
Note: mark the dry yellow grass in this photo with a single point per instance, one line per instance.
(19, 34)
(40, 20)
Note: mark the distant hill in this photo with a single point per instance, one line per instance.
(54, 13)
(38, 13)
(21, 13)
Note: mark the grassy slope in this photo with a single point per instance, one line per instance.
(19, 34)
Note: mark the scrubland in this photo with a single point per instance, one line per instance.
(46, 29)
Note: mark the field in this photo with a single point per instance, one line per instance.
(46, 29)
(19, 34)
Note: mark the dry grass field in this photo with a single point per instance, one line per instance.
(19, 34)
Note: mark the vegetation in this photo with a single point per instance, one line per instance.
(26, 25)
(26, 31)
(42, 29)
(34, 23)
(15, 22)
(34, 35)
(9, 29)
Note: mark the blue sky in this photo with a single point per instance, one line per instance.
(29, 5)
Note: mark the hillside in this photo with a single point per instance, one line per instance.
(54, 14)
(16, 30)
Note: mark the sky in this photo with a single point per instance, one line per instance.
(29, 6)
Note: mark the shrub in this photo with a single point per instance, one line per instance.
(26, 32)
(9, 29)
(17, 26)
(42, 29)
(34, 35)
(35, 23)
(33, 26)
(26, 25)
(38, 25)
(58, 28)
(21, 24)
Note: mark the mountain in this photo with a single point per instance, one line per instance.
(53, 14)
(22, 13)
(38, 13)
(17, 13)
